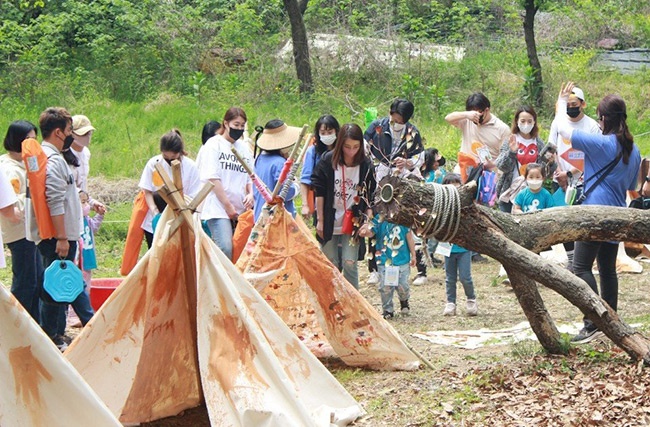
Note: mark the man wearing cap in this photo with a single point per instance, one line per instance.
(82, 131)
(568, 158)
(275, 140)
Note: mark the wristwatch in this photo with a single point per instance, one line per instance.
(647, 179)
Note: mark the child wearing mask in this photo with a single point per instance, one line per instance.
(534, 197)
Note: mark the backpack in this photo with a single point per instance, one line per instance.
(487, 188)
(35, 161)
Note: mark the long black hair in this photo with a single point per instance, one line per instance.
(329, 122)
(613, 112)
(16, 134)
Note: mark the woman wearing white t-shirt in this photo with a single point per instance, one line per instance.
(26, 261)
(343, 180)
(232, 193)
(171, 148)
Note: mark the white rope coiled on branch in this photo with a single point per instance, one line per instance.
(445, 212)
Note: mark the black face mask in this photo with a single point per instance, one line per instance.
(67, 142)
(235, 134)
(480, 119)
(169, 161)
(573, 112)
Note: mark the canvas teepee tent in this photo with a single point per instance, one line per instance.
(284, 262)
(162, 343)
(39, 387)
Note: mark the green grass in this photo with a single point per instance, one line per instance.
(128, 133)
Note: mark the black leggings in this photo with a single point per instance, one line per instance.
(605, 255)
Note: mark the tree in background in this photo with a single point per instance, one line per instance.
(295, 9)
(534, 84)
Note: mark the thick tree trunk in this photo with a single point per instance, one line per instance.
(515, 240)
(536, 86)
(300, 46)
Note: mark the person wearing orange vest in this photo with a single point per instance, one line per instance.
(65, 211)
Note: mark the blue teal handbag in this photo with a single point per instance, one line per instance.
(62, 282)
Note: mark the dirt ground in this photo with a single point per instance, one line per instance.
(499, 385)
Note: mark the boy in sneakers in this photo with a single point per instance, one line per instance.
(458, 263)
(395, 254)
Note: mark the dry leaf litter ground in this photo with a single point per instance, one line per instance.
(503, 384)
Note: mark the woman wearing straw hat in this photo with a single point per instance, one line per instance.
(275, 141)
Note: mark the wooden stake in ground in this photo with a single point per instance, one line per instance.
(515, 241)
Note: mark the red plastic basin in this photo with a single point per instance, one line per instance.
(101, 289)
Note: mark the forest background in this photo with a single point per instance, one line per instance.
(138, 68)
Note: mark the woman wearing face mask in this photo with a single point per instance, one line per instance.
(82, 131)
(232, 193)
(394, 145)
(275, 140)
(394, 142)
(343, 180)
(325, 132)
(611, 168)
(26, 261)
(172, 148)
(521, 148)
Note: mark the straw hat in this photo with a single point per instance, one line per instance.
(278, 138)
(81, 125)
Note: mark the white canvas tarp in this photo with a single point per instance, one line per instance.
(39, 387)
(142, 356)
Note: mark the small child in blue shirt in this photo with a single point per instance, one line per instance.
(395, 254)
(458, 265)
(534, 197)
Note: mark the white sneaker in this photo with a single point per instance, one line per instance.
(420, 280)
(472, 307)
(450, 309)
(373, 279)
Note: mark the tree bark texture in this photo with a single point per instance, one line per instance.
(531, 50)
(516, 240)
(300, 45)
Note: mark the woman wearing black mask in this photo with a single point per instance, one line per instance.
(171, 148)
(233, 191)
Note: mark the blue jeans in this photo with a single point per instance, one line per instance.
(459, 264)
(386, 292)
(53, 315)
(349, 257)
(583, 260)
(221, 230)
(27, 270)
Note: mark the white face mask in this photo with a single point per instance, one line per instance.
(534, 184)
(526, 128)
(397, 127)
(327, 139)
